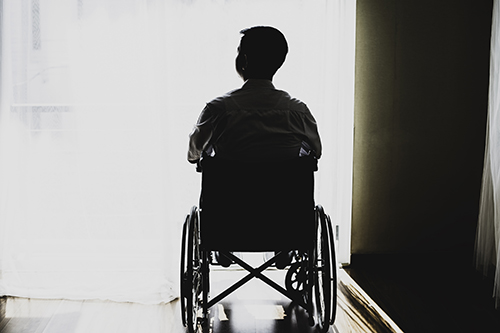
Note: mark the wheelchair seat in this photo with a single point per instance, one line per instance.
(257, 206)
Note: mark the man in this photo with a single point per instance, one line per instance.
(256, 121)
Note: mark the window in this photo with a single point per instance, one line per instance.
(100, 98)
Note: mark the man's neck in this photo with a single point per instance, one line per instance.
(257, 78)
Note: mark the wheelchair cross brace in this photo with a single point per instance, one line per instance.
(253, 273)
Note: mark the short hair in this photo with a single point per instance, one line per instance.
(264, 45)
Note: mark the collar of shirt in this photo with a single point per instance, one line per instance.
(258, 83)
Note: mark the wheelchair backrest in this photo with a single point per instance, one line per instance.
(257, 205)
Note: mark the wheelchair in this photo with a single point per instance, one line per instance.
(259, 206)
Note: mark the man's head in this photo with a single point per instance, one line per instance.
(261, 53)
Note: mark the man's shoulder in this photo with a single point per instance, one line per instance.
(234, 97)
(295, 104)
(220, 100)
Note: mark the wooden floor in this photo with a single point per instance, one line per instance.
(257, 308)
(411, 294)
(253, 308)
(429, 293)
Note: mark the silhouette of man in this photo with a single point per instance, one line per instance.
(256, 121)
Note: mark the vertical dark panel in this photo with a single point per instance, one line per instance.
(422, 71)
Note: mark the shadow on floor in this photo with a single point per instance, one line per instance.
(429, 293)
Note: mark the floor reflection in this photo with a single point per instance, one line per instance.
(255, 307)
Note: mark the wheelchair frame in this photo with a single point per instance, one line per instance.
(311, 279)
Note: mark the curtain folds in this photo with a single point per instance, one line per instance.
(487, 252)
(97, 100)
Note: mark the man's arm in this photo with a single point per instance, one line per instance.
(311, 132)
(201, 135)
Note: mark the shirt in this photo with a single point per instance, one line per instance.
(256, 121)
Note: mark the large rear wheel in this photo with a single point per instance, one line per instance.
(191, 272)
(333, 271)
(183, 271)
(323, 283)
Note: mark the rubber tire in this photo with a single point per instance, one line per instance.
(193, 278)
(183, 272)
(322, 276)
(333, 271)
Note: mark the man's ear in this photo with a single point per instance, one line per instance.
(243, 62)
(246, 61)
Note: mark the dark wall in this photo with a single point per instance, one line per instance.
(422, 71)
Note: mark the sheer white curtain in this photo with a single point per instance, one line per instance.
(97, 100)
(488, 231)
